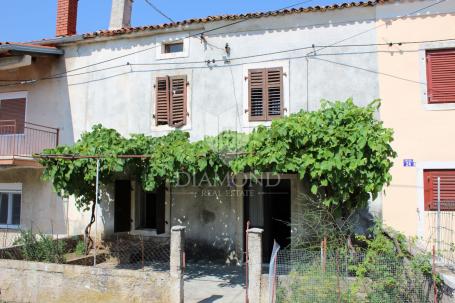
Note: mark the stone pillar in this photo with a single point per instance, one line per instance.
(254, 264)
(177, 263)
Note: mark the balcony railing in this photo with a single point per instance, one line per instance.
(24, 140)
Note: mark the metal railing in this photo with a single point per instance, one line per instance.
(25, 139)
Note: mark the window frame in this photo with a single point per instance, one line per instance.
(429, 77)
(10, 193)
(166, 47)
(170, 101)
(265, 94)
(14, 96)
(429, 191)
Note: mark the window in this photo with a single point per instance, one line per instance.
(440, 76)
(446, 189)
(10, 208)
(171, 99)
(12, 116)
(150, 210)
(265, 93)
(176, 47)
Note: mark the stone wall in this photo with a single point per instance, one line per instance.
(22, 281)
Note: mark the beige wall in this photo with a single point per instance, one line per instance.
(420, 133)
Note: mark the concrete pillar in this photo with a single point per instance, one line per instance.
(177, 263)
(121, 14)
(254, 264)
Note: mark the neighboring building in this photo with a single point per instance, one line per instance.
(232, 77)
(419, 103)
(29, 122)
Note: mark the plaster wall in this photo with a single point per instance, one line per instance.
(421, 133)
(122, 96)
(41, 209)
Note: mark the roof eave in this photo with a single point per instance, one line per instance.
(20, 49)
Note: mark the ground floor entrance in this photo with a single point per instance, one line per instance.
(267, 205)
(138, 210)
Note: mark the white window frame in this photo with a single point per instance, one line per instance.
(424, 47)
(421, 167)
(171, 39)
(166, 127)
(10, 189)
(286, 105)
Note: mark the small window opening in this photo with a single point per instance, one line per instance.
(176, 47)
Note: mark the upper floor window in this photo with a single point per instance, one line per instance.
(171, 101)
(12, 116)
(265, 93)
(175, 47)
(441, 76)
(10, 205)
(446, 189)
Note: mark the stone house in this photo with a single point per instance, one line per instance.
(204, 76)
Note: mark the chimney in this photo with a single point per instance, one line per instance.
(121, 14)
(66, 17)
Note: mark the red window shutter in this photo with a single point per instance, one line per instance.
(441, 76)
(274, 92)
(162, 101)
(12, 116)
(447, 189)
(257, 94)
(178, 99)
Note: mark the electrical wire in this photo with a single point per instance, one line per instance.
(159, 11)
(247, 57)
(378, 26)
(67, 73)
(156, 46)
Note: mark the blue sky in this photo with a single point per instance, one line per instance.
(25, 20)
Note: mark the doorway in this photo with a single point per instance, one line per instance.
(150, 210)
(122, 206)
(267, 205)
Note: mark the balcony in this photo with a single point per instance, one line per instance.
(19, 141)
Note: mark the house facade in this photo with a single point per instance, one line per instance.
(203, 76)
(418, 104)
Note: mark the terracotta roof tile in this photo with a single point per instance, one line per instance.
(108, 33)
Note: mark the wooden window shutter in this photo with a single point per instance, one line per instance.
(441, 76)
(447, 189)
(162, 101)
(178, 98)
(12, 116)
(274, 93)
(256, 94)
(265, 93)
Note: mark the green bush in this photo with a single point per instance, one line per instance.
(80, 248)
(41, 247)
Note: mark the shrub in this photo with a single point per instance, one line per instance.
(41, 247)
(80, 248)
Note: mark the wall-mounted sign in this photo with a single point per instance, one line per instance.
(409, 163)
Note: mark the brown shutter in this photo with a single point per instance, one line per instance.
(12, 112)
(178, 101)
(441, 76)
(162, 101)
(274, 92)
(256, 94)
(447, 189)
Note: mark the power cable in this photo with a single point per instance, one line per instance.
(155, 46)
(159, 11)
(378, 26)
